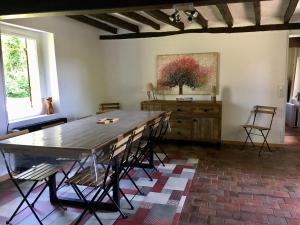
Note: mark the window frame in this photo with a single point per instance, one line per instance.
(28, 34)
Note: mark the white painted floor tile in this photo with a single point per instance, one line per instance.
(158, 198)
(145, 182)
(169, 167)
(176, 183)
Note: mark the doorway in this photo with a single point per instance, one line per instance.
(292, 120)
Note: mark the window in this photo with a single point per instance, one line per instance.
(21, 76)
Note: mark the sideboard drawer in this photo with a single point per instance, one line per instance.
(182, 123)
(207, 109)
(179, 134)
(178, 109)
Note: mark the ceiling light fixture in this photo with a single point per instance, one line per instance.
(192, 14)
(175, 17)
(187, 8)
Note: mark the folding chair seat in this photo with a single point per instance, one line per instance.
(36, 174)
(263, 130)
(100, 178)
(73, 162)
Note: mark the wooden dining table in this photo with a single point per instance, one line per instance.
(76, 140)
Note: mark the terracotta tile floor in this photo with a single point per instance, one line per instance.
(292, 135)
(238, 187)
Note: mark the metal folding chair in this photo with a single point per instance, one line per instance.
(263, 130)
(147, 144)
(131, 157)
(164, 127)
(100, 177)
(36, 174)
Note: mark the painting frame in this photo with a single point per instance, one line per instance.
(187, 73)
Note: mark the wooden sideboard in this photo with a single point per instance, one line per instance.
(192, 121)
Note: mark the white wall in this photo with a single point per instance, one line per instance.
(78, 60)
(252, 71)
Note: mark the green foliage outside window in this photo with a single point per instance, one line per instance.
(15, 66)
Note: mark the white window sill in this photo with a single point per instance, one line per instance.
(31, 120)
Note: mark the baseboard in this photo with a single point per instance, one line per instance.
(226, 142)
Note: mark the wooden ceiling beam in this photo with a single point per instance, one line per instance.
(201, 20)
(95, 23)
(257, 12)
(290, 10)
(226, 14)
(117, 22)
(161, 16)
(290, 26)
(141, 19)
(12, 9)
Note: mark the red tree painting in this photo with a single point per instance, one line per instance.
(183, 71)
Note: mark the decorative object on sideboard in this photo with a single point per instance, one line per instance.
(149, 88)
(187, 99)
(213, 93)
(187, 74)
(50, 109)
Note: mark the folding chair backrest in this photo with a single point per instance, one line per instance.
(7, 136)
(155, 127)
(122, 145)
(117, 149)
(138, 133)
(165, 124)
(264, 110)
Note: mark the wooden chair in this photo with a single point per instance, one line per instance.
(105, 107)
(100, 178)
(263, 130)
(36, 174)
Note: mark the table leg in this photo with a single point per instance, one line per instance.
(52, 189)
(151, 160)
(116, 192)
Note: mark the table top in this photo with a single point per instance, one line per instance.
(78, 137)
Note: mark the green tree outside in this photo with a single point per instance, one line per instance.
(15, 66)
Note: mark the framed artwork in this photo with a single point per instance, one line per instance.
(187, 74)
